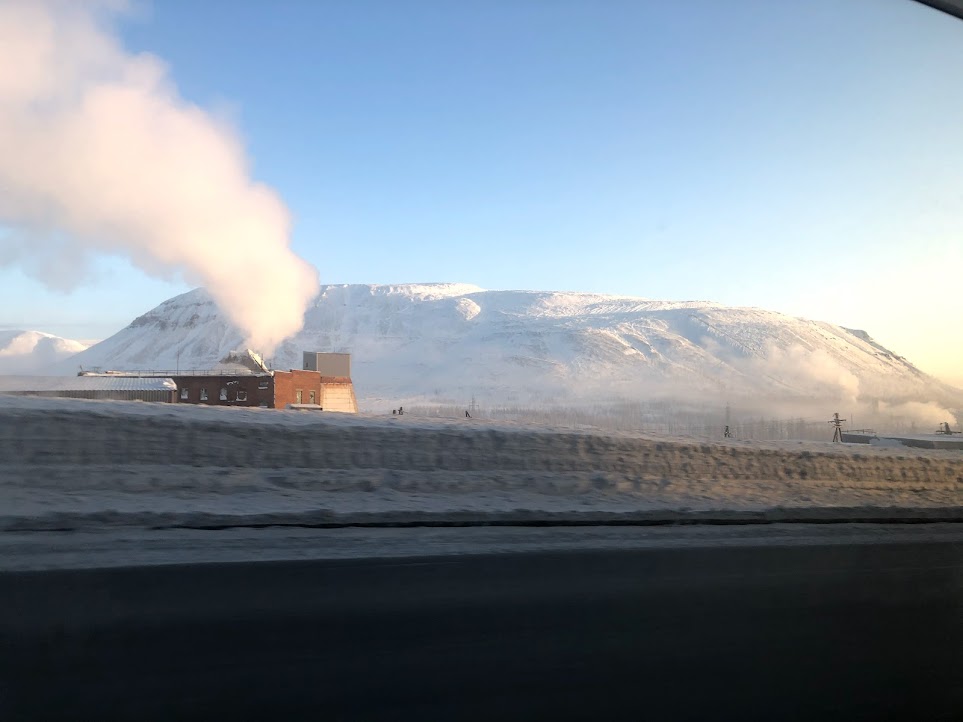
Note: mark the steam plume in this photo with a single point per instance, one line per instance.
(99, 153)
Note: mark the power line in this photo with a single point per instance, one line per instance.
(837, 428)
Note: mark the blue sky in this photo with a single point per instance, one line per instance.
(802, 157)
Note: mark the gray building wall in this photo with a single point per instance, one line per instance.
(328, 364)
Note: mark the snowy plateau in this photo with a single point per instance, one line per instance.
(446, 343)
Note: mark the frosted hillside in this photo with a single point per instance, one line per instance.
(33, 352)
(447, 342)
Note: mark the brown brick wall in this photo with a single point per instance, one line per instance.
(249, 385)
(287, 384)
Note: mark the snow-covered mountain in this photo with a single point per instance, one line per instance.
(32, 352)
(446, 342)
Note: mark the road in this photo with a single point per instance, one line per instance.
(811, 632)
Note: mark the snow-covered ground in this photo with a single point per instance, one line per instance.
(86, 483)
(81, 465)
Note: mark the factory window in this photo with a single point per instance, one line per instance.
(184, 394)
(297, 396)
(223, 395)
(312, 397)
(203, 394)
(242, 395)
(262, 384)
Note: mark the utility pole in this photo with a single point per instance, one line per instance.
(837, 428)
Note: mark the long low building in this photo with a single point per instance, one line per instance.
(242, 379)
(269, 390)
(919, 441)
(111, 388)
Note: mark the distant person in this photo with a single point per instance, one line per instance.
(401, 410)
(728, 433)
(467, 415)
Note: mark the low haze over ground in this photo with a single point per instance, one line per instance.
(802, 158)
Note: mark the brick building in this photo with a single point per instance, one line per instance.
(226, 389)
(271, 390)
(300, 387)
(245, 381)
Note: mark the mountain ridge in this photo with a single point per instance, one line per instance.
(449, 342)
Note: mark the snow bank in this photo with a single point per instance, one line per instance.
(68, 464)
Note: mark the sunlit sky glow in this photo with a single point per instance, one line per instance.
(801, 157)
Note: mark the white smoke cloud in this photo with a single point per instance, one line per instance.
(814, 372)
(99, 153)
(929, 413)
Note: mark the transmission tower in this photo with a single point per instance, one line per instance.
(837, 428)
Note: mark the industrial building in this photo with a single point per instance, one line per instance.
(242, 379)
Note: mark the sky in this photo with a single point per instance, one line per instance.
(800, 157)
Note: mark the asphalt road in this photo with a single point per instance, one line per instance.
(815, 632)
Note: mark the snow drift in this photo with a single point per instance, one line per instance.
(70, 465)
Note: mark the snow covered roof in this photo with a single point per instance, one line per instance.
(243, 360)
(85, 383)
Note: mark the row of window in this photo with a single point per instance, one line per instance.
(241, 395)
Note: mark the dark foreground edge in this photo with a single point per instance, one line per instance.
(950, 7)
(827, 632)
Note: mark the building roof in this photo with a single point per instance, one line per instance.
(243, 360)
(85, 383)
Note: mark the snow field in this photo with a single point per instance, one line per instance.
(67, 464)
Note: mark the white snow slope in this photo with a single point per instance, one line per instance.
(33, 352)
(444, 343)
